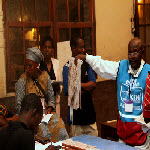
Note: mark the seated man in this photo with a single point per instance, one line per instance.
(19, 135)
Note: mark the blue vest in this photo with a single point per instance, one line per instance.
(137, 90)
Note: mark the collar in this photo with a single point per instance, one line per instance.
(136, 73)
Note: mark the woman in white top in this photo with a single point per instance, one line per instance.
(51, 65)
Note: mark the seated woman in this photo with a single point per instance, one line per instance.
(51, 65)
(36, 81)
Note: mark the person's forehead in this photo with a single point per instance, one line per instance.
(134, 46)
(28, 61)
(48, 43)
(80, 42)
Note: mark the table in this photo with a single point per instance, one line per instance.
(102, 144)
(109, 130)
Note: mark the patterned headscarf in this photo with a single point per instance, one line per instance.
(3, 110)
(34, 54)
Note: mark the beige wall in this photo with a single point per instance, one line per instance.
(2, 57)
(113, 28)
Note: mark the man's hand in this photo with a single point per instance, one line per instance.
(88, 86)
(49, 110)
(82, 57)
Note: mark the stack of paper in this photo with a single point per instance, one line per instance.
(46, 118)
(39, 146)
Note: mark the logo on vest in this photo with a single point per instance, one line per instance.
(136, 94)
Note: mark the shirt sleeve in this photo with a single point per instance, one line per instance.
(50, 94)
(65, 79)
(104, 68)
(91, 75)
(20, 89)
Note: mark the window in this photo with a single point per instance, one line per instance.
(143, 24)
(29, 21)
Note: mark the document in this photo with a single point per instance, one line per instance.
(46, 118)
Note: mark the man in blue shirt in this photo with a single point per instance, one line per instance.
(84, 119)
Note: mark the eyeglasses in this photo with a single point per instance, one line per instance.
(134, 53)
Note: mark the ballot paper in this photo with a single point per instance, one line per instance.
(46, 118)
(145, 126)
(39, 146)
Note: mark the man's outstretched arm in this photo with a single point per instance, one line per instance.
(104, 68)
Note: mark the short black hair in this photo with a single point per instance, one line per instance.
(31, 101)
(74, 41)
(47, 38)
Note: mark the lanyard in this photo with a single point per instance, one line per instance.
(130, 84)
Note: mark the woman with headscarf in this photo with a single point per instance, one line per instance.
(33, 77)
(36, 81)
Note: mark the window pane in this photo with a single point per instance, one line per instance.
(73, 11)
(63, 34)
(17, 60)
(147, 35)
(13, 10)
(147, 1)
(140, 1)
(141, 33)
(42, 10)
(140, 13)
(44, 32)
(28, 10)
(148, 55)
(30, 37)
(17, 66)
(86, 32)
(15, 39)
(147, 11)
(61, 6)
(16, 72)
(84, 10)
(75, 32)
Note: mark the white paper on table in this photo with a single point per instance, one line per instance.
(46, 118)
(145, 126)
(40, 146)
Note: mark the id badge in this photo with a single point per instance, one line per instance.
(128, 106)
(43, 102)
